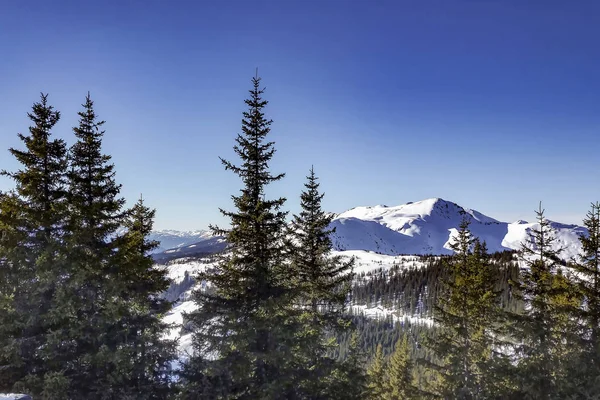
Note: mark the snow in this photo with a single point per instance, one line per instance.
(422, 227)
(379, 312)
(170, 239)
(378, 237)
(428, 227)
(178, 269)
(368, 261)
(14, 396)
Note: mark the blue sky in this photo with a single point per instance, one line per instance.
(492, 104)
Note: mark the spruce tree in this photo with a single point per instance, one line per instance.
(243, 325)
(399, 378)
(33, 219)
(323, 283)
(111, 298)
(584, 372)
(543, 332)
(146, 355)
(10, 281)
(466, 314)
(348, 380)
(94, 216)
(377, 386)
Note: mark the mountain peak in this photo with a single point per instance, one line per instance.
(428, 227)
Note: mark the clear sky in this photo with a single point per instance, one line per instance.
(493, 104)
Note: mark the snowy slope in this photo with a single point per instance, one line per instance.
(378, 237)
(428, 226)
(170, 239)
(423, 227)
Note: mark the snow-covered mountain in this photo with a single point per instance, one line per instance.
(423, 227)
(378, 237)
(171, 239)
(209, 245)
(428, 226)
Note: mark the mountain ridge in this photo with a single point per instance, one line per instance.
(418, 228)
(428, 227)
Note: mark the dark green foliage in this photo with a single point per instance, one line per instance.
(584, 372)
(322, 284)
(377, 385)
(463, 343)
(145, 353)
(110, 307)
(543, 331)
(412, 290)
(81, 308)
(84, 297)
(349, 380)
(399, 373)
(33, 219)
(245, 321)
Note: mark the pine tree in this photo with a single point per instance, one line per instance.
(584, 374)
(245, 321)
(33, 219)
(399, 378)
(348, 380)
(323, 284)
(145, 363)
(466, 316)
(112, 304)
(377, 386)
(543, 333)
(83, 297)
(10, 281)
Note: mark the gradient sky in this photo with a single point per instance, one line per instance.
(494, 105)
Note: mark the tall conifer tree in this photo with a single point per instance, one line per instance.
(95, 214)
(114, 289)
(465, 315)
(377, 386)
(323, 284)
(399, 378)
(145, 365)
(244, 322)
(33, 219)
(584, 371)
(544, 331)
(349, 381)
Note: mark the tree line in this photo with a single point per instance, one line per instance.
(82, 303)
(542, 346)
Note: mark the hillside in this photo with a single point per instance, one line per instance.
(427, 227)
(381, 239)
(423, 227)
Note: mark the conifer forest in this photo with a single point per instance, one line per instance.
(278, 313)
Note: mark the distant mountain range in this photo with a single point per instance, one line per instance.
(170, 239)
(378, 237)
(428, 226)
(423, 227)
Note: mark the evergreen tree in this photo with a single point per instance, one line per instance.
(377, 385)
(84, 296)
(543, 332)
(399, 373)
(145, 363)
(113, 308)
(33, 219)
(466, 316)
(323, 284)
(348, 380)
(584, 375)
(244, 322)
(10, 251)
